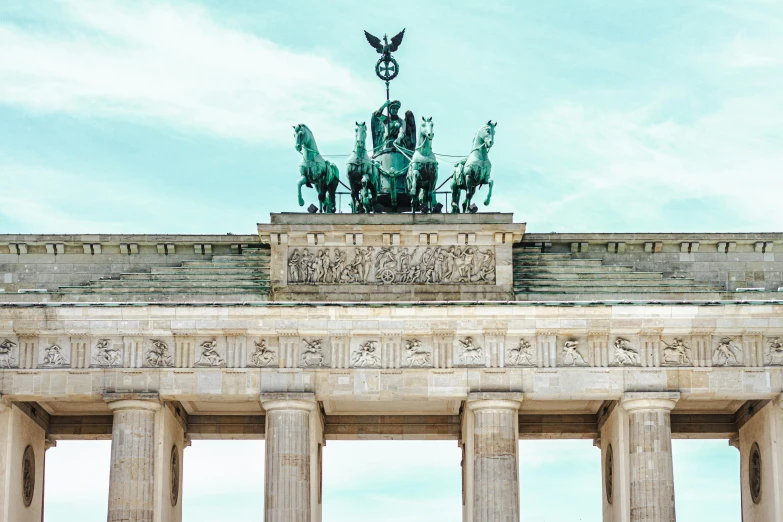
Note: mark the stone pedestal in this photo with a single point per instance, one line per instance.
(761, 465)
(651, 478)
(294, 438)
(131, 481)
(22, 447)
(614, 465)
(490, 466)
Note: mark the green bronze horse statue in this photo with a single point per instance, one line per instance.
(473, 172)
(362, 173)
(316, 171)
(423, 169)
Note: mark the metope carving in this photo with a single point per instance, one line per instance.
(53, 357)
(726, 353)
(471, 354)
(676, 354)
(624, 353)
(6, 359)
(366, 356)
(775, 352)
(571, 354)
(209, 355)
(313, 355)
(28, 476)
(392, 265)
(416, 355)
(158, 356)
(262, 356)
(107, 354)
(522, 355)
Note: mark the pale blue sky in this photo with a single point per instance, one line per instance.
(395, 481)
(174, 117)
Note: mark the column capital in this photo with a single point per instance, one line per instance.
(637, 401)
(288, 401)
(494, 400)
(133, 404)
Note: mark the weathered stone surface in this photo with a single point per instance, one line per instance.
(131, 481)
(651, 474)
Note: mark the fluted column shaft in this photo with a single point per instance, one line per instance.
(287, 495)
(650, 459)
(131, 480)
(495, 463)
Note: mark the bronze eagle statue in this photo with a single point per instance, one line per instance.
(385, 48)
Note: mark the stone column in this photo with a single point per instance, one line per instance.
(133, 444)
(293, 446)
(490, 466)
(650, 459)
(761, 464)
(22, 448)
(613, 441)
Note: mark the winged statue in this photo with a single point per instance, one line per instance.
(385, 48)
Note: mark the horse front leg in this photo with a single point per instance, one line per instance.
(489, 194)
(414, 188)
(302, 181)
(455, 196)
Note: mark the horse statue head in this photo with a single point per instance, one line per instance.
(304, 142)
(426, 133)
(360, 133)
(485, 137)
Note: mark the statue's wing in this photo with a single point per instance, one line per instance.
(410, 130)
(396, 41)
(375, 41)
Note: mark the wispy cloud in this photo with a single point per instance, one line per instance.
(175, 66)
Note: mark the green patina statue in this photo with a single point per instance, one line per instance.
(423, 170)
(401, 172)
(315, 171)
(362, 173)
(473, 172)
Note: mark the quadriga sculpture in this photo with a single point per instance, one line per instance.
(315, 171)
(473, 172)
(423, 169)
(362, 173)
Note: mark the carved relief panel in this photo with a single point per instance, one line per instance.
(107, 352)
(468, 264)
(261, 353)
(211, 352)
(676, 351)
(54, 352)
(727, 351)
(417, 352)
(9, 353)
(521, 352)
(158, 352)
(470, 350)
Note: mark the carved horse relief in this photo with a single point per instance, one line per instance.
(473, 172)
(315, 171)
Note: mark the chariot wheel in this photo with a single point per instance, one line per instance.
(387, 275)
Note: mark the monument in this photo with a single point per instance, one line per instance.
(395, 325)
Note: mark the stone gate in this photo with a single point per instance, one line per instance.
(391, 326)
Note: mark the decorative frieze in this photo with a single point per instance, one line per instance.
(392, 265)
(415, 346)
